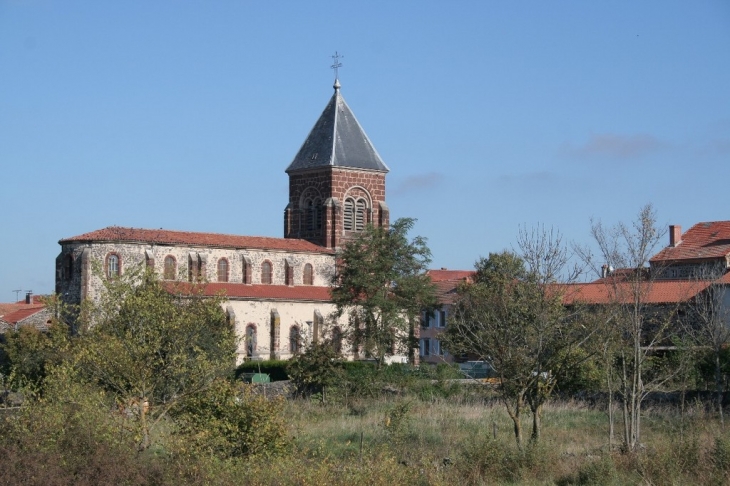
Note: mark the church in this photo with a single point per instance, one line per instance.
(276, 289)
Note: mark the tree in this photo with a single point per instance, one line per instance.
(152, 346)
(381, 282)
(318, 368)
(513, 317)
(707, 320)
(641, 325)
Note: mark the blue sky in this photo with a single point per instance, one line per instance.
(491, 116)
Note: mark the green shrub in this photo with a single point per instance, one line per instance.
(316, 370)
(227, 422)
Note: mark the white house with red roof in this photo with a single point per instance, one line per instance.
(277, 289)
(432, 325)
(29, 312)
(675, 274)
(672, 279)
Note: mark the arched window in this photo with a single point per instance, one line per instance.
(294, 340)
(309, 214)
(348, 216)
(315, 214)
(288, 273)
(266, 273)
(308, 275)
(337, 339)
(170, 271)
(360, 215)
(113, 265)
(246, 270)
(223, 270)
(194, 268)
(250, 340)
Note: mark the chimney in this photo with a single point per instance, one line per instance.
(604, 271)
(29, 297)
(675, 235)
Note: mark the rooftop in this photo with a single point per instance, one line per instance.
(709, 240)
(217, 240)
(337, 140)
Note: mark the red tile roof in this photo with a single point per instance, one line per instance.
(6, 309)
(658, 292)
(702, 241)
(262, 292)
(447, 281)
(443, 274)
(19, 315)
(168, 237)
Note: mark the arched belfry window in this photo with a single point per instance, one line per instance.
(360, 215)
(349, 217)
(355, 215)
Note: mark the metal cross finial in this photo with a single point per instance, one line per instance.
(337, 64)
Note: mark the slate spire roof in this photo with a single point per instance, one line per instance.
(337, 140)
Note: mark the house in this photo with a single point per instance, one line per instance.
(432, 324)
(693, 264)
(674, 278)
(29, 312)
(276, 289)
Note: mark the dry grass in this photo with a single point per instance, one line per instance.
(450, 441)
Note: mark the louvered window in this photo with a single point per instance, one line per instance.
(360, 218)
(349, 216)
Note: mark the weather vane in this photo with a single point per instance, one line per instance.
(337, 64)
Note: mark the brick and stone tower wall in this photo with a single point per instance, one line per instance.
(319, 202)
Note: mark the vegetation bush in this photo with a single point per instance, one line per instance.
(316, 370)
(230, 422)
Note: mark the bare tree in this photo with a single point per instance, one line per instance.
(643, 325)
(707, 320)
(513, 317)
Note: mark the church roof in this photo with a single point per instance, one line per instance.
(702, 241)
(217, 240)
(337, 140)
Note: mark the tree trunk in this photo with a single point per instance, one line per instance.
(536, 423)
(718, 387)
(515, 416)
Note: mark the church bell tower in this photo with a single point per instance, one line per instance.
(336, 180)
